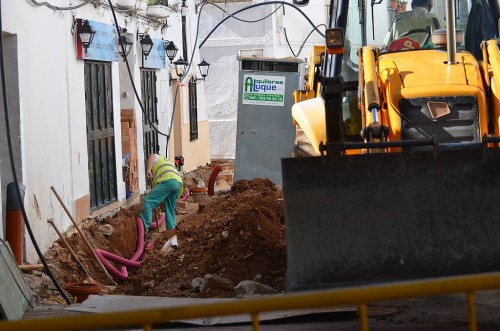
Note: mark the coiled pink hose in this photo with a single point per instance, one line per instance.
(134, 261)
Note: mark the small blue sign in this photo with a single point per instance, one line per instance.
(104, 44)
(156, 58)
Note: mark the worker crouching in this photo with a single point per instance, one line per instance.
(167, 186)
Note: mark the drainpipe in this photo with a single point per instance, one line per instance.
(451, 36)
(15, 225)
(184, 43)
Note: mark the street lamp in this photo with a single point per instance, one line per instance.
(86, 34)
(146, 45)
(204, 66)
(180, 67)
(171, 50)
(127, 43)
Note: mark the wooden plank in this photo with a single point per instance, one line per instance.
(15, 294)
(28, 267)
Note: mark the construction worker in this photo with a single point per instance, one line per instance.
(167, 185)
(179, 163)
(418, 20)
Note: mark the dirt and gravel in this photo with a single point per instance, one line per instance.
(236, 236)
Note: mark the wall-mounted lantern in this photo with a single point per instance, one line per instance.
(180, 67)
(86, 34)
(171, 50)
(146, 44)
(127, 43)
(204, 66)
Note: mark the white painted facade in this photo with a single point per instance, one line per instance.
(266, 37)
(46, 97)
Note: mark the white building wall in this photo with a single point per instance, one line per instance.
(52, 106)
(42, 51)
(221, 50)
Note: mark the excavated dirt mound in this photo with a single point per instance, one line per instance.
(237, 237)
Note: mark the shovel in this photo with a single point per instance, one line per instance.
(89, 246)
(89, 279)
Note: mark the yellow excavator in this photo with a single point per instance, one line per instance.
(402, 180)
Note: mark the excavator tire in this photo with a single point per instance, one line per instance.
(357, 219)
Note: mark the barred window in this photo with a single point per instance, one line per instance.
(100, 134)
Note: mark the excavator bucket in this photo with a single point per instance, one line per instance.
(383, 217)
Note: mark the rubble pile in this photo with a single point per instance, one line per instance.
(238, 237)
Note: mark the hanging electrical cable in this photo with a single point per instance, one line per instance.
(4, 92)
(13, 169)
(281, 3)
(246, 21)
(46, 4)
(303, 43)
(258, 5)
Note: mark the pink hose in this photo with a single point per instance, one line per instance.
(161, 219)
(134, 262)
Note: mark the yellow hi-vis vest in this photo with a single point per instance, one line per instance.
(164, 170)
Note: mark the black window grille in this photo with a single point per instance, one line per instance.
(100, 134)
(193, 111)
(150, 102)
